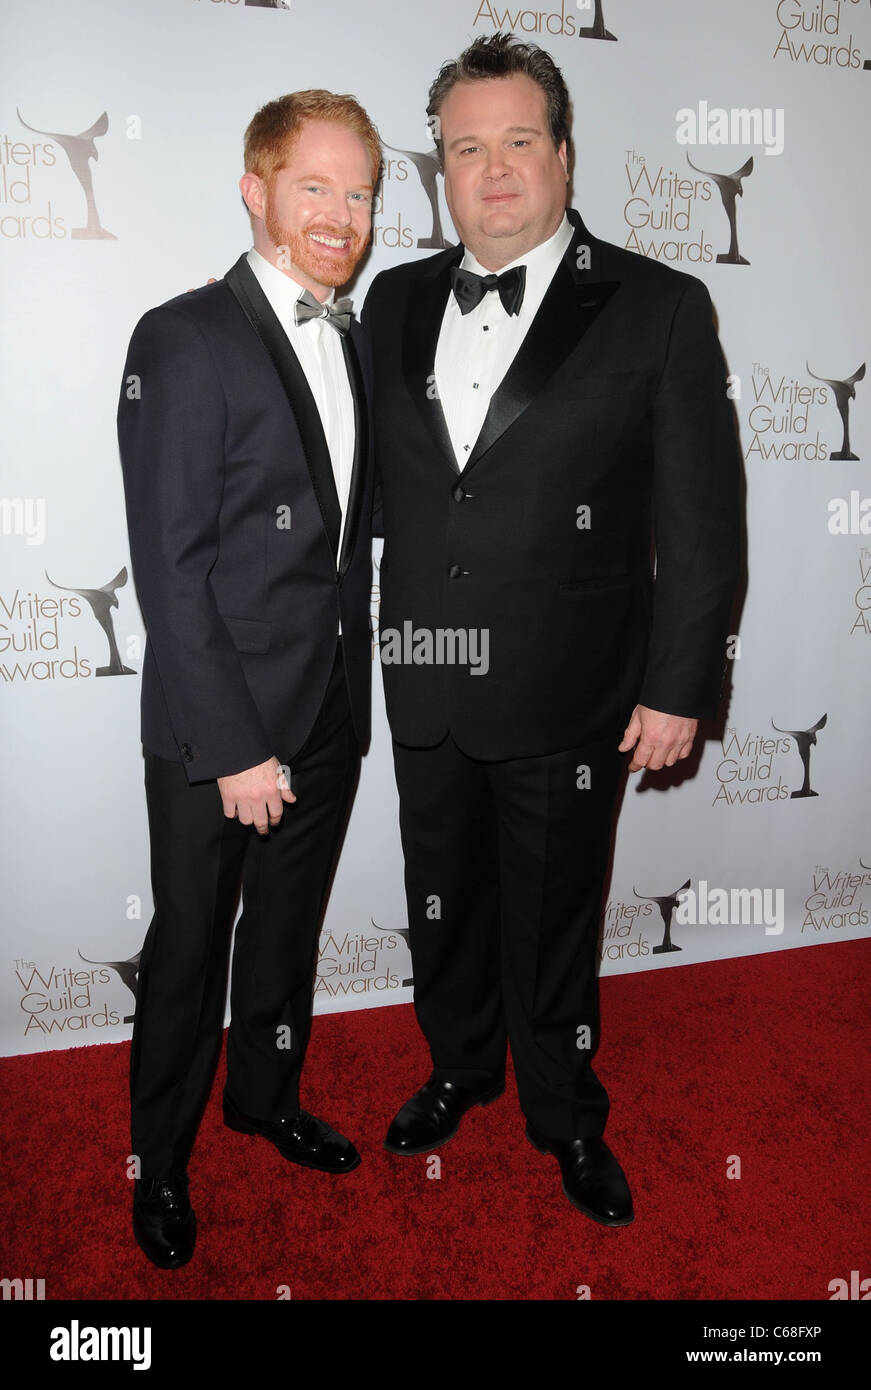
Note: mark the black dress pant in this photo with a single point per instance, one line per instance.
(504, 872)
(198, 858)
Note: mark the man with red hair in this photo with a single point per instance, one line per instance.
(244, 428)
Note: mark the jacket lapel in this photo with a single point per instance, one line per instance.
(361, 447)
(423, 321)
(244, 285)
(572, 303)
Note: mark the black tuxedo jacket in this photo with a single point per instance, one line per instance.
(234, 520)
(616, 402)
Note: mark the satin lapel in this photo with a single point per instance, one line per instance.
(423, 320)
(244, 285)
(361, 448)
(566, 312)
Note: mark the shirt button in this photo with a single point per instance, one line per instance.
(454, 572)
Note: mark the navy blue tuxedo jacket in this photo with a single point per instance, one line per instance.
(233, 520)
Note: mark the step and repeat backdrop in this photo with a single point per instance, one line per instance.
(725, 139)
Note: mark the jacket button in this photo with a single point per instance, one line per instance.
(454, 572)
(186, 753)
(458, 493)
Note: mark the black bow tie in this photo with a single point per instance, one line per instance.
(469, 288)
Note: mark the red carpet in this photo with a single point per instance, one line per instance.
(765, 1058)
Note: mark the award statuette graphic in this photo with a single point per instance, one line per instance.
(845, 391)
(428, 167)
(398, 931)
(666, 907)
(730, 189)
(79, 150)
(128, 970)
(597, 29)
(101, 600)
(804, 738)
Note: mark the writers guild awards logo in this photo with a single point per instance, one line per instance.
(80, 150)
(127, 970)
(429, 167)
(844, 392)
(804, 739)
(101, 601)
(666, 907)
(597, 29)
(730, 189)
(398, 931)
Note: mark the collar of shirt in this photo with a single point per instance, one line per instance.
(541, 263)
(282, 291)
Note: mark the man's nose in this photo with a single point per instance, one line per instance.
(338, 210)
(496, 165)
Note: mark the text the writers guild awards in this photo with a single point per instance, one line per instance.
(597, 29)
(428, 166)
(804, 739)
(101, 601)
(127, 970)
(844, 393)
(730, 189)
(80, 150)
(666, 907)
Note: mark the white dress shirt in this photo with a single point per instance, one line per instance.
(476, 349)
(319, 349)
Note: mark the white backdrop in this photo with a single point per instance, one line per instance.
(178, 81)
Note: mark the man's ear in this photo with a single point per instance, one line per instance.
(253, 191)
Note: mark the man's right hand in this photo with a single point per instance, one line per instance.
(257, 795)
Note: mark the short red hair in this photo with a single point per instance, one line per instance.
(270, 136)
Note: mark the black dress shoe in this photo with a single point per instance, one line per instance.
(163, 1220)
(593, 1180)
(433, 1114)
(302, 1139)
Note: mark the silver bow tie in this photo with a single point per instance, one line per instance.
(337, 314)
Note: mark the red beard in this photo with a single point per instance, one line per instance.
(313, 260)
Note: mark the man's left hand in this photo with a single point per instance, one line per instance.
(659, 739)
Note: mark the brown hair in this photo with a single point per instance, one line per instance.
(270, 135)
(501, 55)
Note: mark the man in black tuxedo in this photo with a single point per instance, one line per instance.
(246, 450)
(546, 405)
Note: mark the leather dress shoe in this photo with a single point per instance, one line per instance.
(433, 1114)
(164, 1223)
(301, 1139)
(593, 1180)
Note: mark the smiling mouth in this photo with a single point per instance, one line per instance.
(335, 243)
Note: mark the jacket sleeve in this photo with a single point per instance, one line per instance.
(696, 517)
(171, 423)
